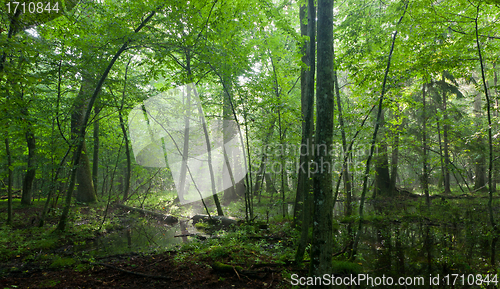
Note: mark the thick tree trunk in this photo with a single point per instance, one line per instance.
(307, 107)
(85, 191)
(382, 177)
(303, 200)
(31, 170)
(381, 163)
(322, 243)
(395, 157)
(61, 226)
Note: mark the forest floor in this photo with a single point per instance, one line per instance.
(161, 270)
(255, 255)
(38, 258)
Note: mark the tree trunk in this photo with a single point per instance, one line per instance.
(425, 174)
(495, 114)
(85, 190)
(307, 107)
(381, 162)
(229, 131)
(185, 148)
(9, 181)
(95, 160)
(395, 157)
(61, 226)
(209, 154)
(303, 200)
(480, 159)
(31, 170)
(496, 230)
(322, 243)
(441, 158)
(446, 173)
(128, 170)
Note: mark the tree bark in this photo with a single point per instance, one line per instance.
(303, 200)
(209, 154)
(95, 159)
(85, 190)
(395, 157)
(29, 177)
(381, 162)
(446, 173)
(9, 181)
(425, 173)
(128, 170)
(307, 107)
(441, 155)
(480, 159)
(228, 133)
(322, 243)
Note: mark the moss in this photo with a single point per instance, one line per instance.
(221, 267)
(201, 225)
(62, 262)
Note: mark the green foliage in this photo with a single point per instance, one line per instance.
(346, 268)
(61, 262)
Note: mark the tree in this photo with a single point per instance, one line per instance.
(85, 191)
(303, 198)
(321, 248)
(81, 132)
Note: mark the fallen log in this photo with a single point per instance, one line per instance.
(224, 221)
(163, 217)
(197, 236)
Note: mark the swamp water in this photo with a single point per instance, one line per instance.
(142, 236)
(403, 241)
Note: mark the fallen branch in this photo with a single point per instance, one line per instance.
(166, 218)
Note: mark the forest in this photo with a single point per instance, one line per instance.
(249, 144)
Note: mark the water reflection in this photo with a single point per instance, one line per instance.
(452, 239)
(139, 237)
